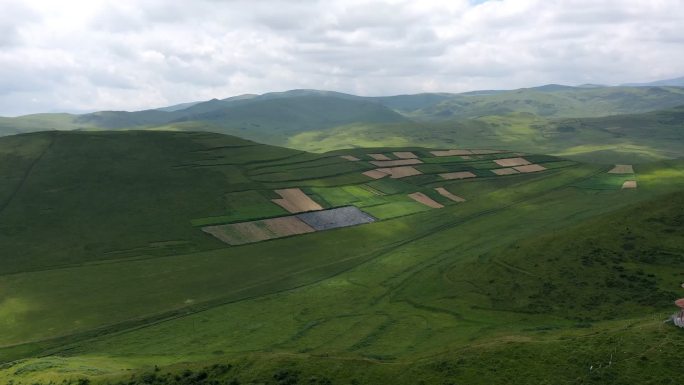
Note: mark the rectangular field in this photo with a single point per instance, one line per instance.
(379, 157)
(255, 231)
(295, 201)
(458, 175)
(241, 206)
(629, 184)
(426, 200)
(447, 159)
(399, 162)
(344, 195)
(405, 155)
(511, 162)
(485, 152)
(399, 172)
(335, 218)
(505, 171)
(445, 193)
(622, 169)
(451, 152)
(391, 186)
(530, 168)
(399, 206)
(375, 174)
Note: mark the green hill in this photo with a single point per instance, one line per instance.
(630, 138)
(588, 123)
(556, 276)
(37, 122)
(556, 102)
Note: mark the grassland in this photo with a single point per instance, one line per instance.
(596, 125)
(497, 289)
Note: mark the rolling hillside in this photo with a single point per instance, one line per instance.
(630, 138)
(588, 123)
(555, 102)
(468, 272)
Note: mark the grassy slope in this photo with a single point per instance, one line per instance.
(108, 206)
(636, 138)
(557, 103)
(38, 122)
(390, 297)
(136, 223)
(536, 120)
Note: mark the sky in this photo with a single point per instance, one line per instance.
(78, 56)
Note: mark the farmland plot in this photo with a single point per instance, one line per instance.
(335, 218)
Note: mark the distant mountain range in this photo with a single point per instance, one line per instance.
(319, 120)
(676, 82)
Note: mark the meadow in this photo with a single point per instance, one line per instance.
(557, 276)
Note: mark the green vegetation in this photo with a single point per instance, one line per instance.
(549, 277)
(592, 124)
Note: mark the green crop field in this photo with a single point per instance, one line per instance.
(553, 277)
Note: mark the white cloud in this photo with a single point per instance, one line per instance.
(125, 54)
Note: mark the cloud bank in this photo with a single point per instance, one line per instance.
(93, 55)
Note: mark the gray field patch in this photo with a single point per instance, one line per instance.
(335, 218)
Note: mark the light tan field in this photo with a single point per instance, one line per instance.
(255, 231)
(350, 157)
(450, 152)
(622, 169)
(445, 193)
(458, 175)
(629, 184)
(510, 162)
(295, 201)
(392, 163)
(405, 155)
(399, 172)
(375, 174)
(379, 156)
(530, 168)
(485, 152)
(426, 200)
(239, 233)
(505, 171)
(284, 226)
